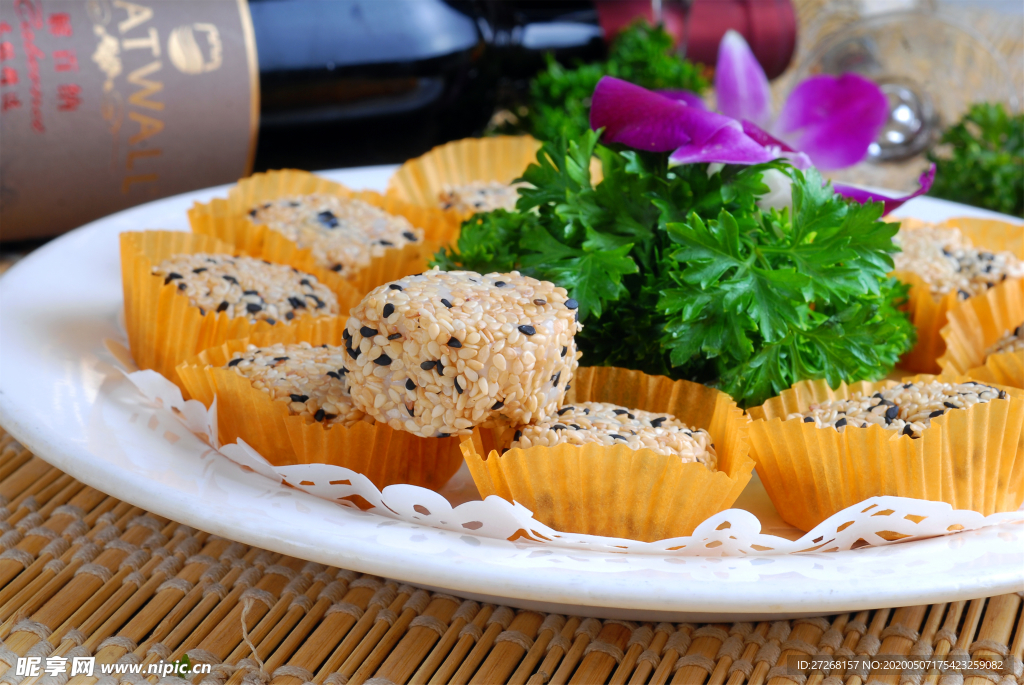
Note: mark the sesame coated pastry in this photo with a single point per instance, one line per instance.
(343, 234)
(947, 261)
(609, 424)
(907, 408)
(479, 196)
(310, 379)
(438, 353)
(247, 287)
(1011, 341)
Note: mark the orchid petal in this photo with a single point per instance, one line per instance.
(740, 83)
(644, 120)
(833, 119)
(776, 146)
(687, 96)
(861, 195)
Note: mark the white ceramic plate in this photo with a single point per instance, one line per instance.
(60, 395)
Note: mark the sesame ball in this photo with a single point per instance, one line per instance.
(249, 288)
(311, 380)
(609, 424)
(907, 409)
(343, 234)
(439, 353)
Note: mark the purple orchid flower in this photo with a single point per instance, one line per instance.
(832, 119)
(645, 120)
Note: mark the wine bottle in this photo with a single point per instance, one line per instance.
(106, 104)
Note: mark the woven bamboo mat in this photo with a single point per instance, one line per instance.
(84, 574)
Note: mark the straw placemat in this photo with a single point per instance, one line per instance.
(84, 574)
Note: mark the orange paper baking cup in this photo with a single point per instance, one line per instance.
(163, 328)
(971, 458)
(229, 221)
(615, 491)
(929, 313)
(975, 326)
(384, 455)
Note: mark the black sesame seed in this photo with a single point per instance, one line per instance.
(395, 286)
(907, 430)
(586, 411)
(319, 415)
(563, 410)
(575, 426)
(892, 412)
(499, 284)
(410, 236)
(296, 303)
(631, 416)
(289, 315)
(618, 437)
(808, 419)
(346, 335)
(329, 417)
(252, 307)
(299, 398)
(334, 374)
(170, 277)
(336, 268)
(394, 336)
(444, 435)
(223, 306)
(202, 312)
(937, 412)
(446, 303)
(199, 270)
(962, 294)
(1002, 394)
(841, 422)
(328, 219)
(527, 330)
(907, 385)
(270, 321)
(252, 213)
(235, 362)
(950, 405)
(564, 350)
(411, 410)
(388, 310)
(554, 379)
(567, 387)
(230, 279)
(619, 412)
(440, 368)
(319, 303)
(458, 388)
(427, 366)
(454, 342)
(409, 385)
(386, 243)
(656, 423)
(382, 360)
(305, 281)
(182, 286)
(342, 371)
(558, 427)
(497, 405)
(519, 434)
(280, 359)
(354, 353)
(250, 292)
(367, 332)
(571, 304)
(540, 303)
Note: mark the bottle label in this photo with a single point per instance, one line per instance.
(105, 104)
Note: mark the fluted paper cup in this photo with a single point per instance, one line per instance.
(970, 458)
(975, 326)
(615, 491)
